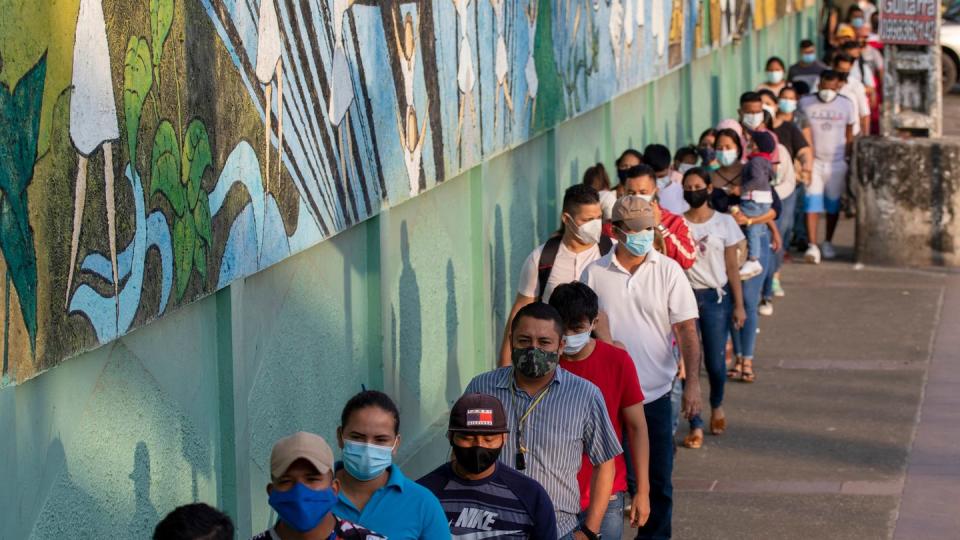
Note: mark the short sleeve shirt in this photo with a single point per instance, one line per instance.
(809, 74)
(828, 122)
(342, 530)
(642, 308)
(786, 180)
(791, 137)
(567, 267)
(713, 237)
(571, 420)
(506, 505)
(612, 371)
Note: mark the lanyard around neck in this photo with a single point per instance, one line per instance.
(520, 421)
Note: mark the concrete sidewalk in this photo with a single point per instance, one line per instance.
(819, 446)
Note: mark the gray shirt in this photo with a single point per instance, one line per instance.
(809, 74)
(570, 421)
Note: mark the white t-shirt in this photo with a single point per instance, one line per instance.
(671, 197)
(567, 267)
(828, 122)
(607, 199)
(786, 174)
(643, 307)
(712, 237)
(855, 92)
(867, 78)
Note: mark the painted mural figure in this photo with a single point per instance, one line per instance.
(530, 72)
(658, 31)
(466, 76)
(407, 45)
(501, 66)
(341, 89)
(616, 31)
(676, 34)
(270, 64)
(412, 143)
(93, 123)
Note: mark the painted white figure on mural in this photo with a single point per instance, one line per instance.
(466, 75)
(269, 69)
(530, 71)
(341, 88)
(616, 31)
(412, 143)
(659, 32)
(93, 124)
(500, 66)
(407, 50)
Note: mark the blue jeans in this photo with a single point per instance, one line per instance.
(745, 339)
(612, 524)
(799, 214)
(660, 430)
(755, 245)
(714, 326)
(785, 223)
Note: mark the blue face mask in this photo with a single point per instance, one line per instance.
(366, 461)
(302, 508)
(726, 157)
(808, 58)
(857, 22)
(787, 105)
(639, 243)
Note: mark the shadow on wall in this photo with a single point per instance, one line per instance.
(145, 516)
(453, 322)
(498, 258)
(411, 334)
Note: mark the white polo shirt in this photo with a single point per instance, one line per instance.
(567, 267)
(642, 308)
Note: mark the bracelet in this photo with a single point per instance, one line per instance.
(588, 533)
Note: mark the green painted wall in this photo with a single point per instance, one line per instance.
(412, 301)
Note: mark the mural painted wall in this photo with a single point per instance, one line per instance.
(153, 151)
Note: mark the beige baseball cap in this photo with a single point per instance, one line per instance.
(300, 445)
(634, 212)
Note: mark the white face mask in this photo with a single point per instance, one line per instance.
(684, 167)
(774, 77)
(648, 198)
(663, 182)
(770, 109)
(827, 95)
(575, 343)
(753, 120)
(589, 232)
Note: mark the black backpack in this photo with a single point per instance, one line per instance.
(549, 255)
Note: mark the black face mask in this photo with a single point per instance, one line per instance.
(476, 459)
(696, 198)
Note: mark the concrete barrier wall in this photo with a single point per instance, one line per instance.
(411, 301)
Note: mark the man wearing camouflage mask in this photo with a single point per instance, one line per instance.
(554, 418)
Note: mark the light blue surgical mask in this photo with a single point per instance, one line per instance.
(366, 461)
(639, 243)
(787, 105)
(857, 22)
(576, 342)
(808, 58)
(726, 157)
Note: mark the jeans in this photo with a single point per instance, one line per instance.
(799, 215)
(745, 339)
(612, 524)
(755, 232)
(714, 326)
(660, 429)
(785, 226)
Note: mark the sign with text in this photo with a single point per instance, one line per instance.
(909, 22)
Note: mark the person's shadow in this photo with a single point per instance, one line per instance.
(410, 336)
(145, 516)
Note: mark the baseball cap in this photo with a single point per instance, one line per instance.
(764, 141)
(846, 31)
(478, 413)
(634, 212)
(300, 445)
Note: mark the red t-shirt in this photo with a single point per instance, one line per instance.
(611, 369)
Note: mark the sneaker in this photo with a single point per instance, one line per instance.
(778, 289)
(828, 251)
(765, 308)
(812, 254)
(750, 269)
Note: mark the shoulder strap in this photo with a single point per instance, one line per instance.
(545, 265)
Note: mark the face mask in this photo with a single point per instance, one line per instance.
(696, 198)
(576, 342)
(770, 109)
(788, 105)
(639, 243)
(684, 167)
(827, 95)
(476, 459)
(753, 120)
(857, 22)
(774, 77)
(726, 157)
(808, 58)
(534, 363)
(366, 461)
(589, 232)
(648, 198)
(663, 182)
(622, 175)
(302, 508)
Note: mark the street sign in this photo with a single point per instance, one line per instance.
(909, 22)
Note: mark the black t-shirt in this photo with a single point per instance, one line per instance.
(506, 505)
(791, 137)
(342, 530)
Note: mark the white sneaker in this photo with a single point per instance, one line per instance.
(750, 269)
(812, 255)
(828, 251)
(765, 308)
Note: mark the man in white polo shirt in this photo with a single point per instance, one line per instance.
(648, 300)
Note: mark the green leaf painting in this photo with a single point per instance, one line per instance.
(161, 17)
(201, 216)
(19, 128)
(137, 80)
(196, 159)
(165, 168)
(184, 239)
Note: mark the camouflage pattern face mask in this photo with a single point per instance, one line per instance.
(534, 363)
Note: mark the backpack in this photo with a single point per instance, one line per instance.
(549, 255)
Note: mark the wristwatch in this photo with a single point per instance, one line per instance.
(663, 230)
(589, 534)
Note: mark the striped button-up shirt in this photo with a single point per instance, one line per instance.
(570, 421)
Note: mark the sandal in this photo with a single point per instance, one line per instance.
(693, 440)
(736, 372)
(718, 425)
(748, 375)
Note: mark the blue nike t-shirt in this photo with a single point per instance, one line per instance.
(505, 505)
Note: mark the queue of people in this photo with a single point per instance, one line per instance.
(572, 436)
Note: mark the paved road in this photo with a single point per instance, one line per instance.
(820, 445)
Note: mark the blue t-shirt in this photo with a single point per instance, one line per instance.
(400, 510)
(506, 505)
